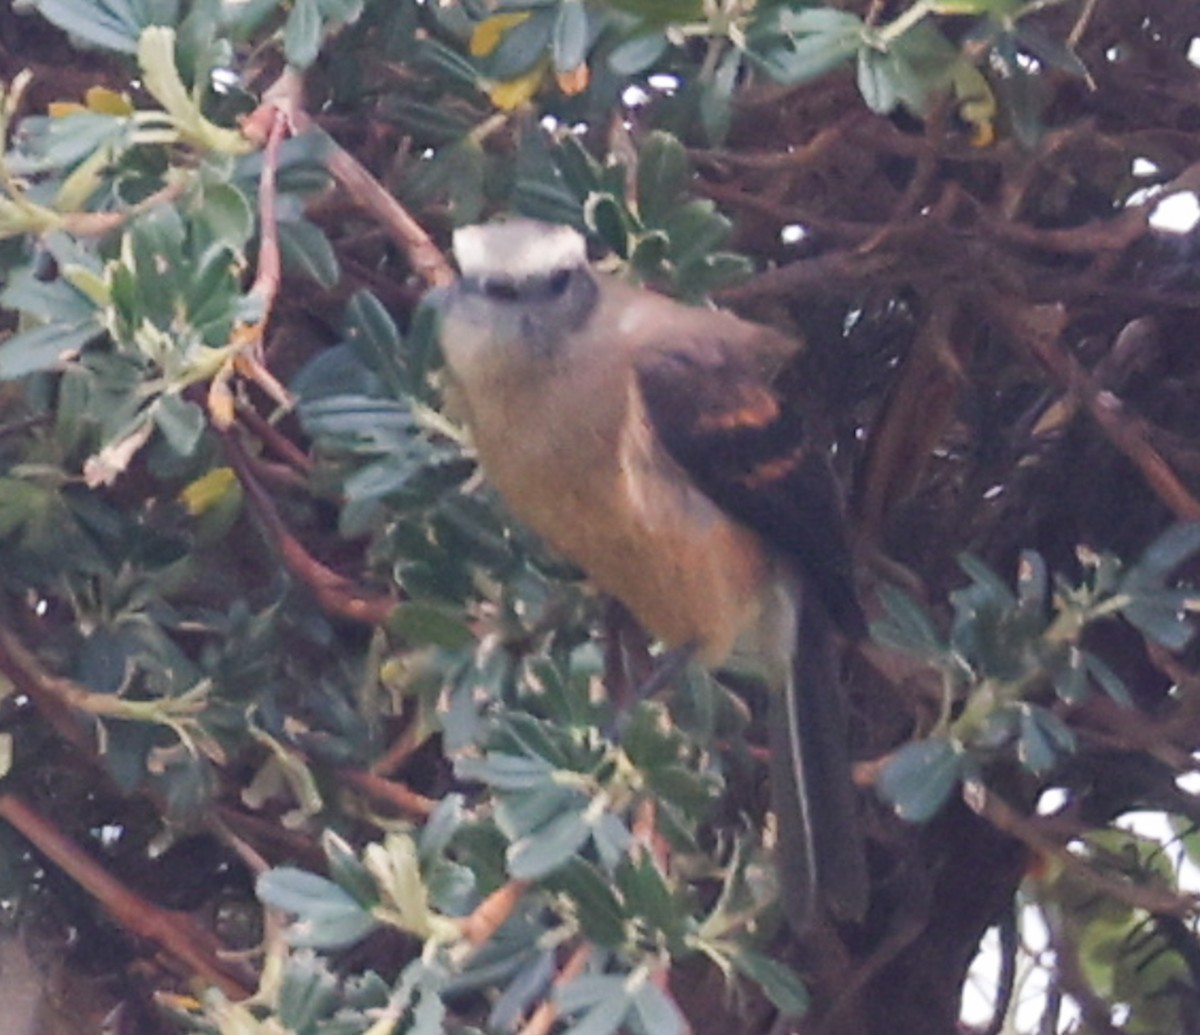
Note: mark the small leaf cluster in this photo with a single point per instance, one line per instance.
(1011, 656)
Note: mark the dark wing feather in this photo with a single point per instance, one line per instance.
(720, 417)
(723, 421)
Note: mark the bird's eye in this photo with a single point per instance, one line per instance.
(501, 290)
(558, 282)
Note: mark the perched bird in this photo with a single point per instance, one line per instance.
(647, 442)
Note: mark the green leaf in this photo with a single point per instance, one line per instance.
(110, 25)
(637, 53)
(663, 172)
(226, 215)
(505, 772)
(876, 82)
(657, 1011)
(302, 34)
(1163, 616)
(1176, 545)
(307, 251)
(441, 826)
(779, 982)
(1043, 739)
(327, 917)
(569, 44)
(1109, 681)
(918, 779)
(522, 46)
(373, 335)
(44, 348)
(307, 993)
(181, 422)
(421, 624)
(606, 217)
(348, 872)
(907, 627)
(549, 847)
(598, 908)
(647, 895)
(603, 999)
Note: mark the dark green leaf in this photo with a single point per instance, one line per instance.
(307, 993)
(307, 251)
(110, 25)
(917, 780)
(326, 916)
(506, 772)
(1109, 681)
(347, 872)
(522, 46)
(604, 1000)
(548, 847)
(599, 910)
(637, 53)
(876, 82)
(44, 348)
(569, 44)
(302, 33)
(1163, 556)
(419, 624)
(1163, 616)
(1043, 739)
(607, 219)
(907, 627)
(779, 982)
(181, 422)
(657, 1011)
(647, 894)
(663, 172)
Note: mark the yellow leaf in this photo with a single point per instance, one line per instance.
(512, 93)
(61, 109)
(104, 101)
(208, 490)
(488, 33)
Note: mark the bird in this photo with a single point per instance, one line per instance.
(651, 443)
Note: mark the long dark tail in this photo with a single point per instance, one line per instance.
(822, 860)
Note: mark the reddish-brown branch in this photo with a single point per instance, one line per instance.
(271, 437)
(1006, 819)
(45, 691)
(335, 593)
(1037, 329)
(423, 255)
(177, 934)
(542, 1019)
(403, 798)
(491, 913)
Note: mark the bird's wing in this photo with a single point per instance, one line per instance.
(720, 417)
(718, 414)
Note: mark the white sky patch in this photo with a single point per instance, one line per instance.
(549, 123)
(793, 233)
(1193, 54)
(223, 79)
(1156, 825)
(633, 96)
(1144, 167)
(1176, 213)
(1051, 800)
(1035, 964)
(664, 82)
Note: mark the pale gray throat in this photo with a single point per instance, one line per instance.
(547, 308)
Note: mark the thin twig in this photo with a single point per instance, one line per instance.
(177, 934)
(335, 593)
